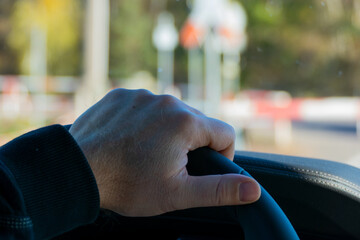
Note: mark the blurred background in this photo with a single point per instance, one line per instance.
(284, 73)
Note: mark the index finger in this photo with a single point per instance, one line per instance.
(216, 135)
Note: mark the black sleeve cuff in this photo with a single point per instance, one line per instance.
(57, 184)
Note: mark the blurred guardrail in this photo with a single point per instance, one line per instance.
(280, 105)
(27, 96)
(276, 110)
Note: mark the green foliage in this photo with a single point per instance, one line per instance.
(304, 47)
(8, 58)
(307, 47)
(131, 47)
(60, 21)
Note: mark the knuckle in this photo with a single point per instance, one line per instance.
(227, 129)
(186, 120)
(198, 112)
(168, 101)
(220, 193)
(115, 93)
(226, 194)
(143, 96)
(143, 92)
(232, 132)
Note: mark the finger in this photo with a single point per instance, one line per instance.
(217, 135)
(217, 190)
(186, 106)
(221, 137)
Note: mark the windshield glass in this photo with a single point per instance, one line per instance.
(284, 73)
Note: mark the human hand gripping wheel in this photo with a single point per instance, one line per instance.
(263, 219)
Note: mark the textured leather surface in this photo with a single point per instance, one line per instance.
(321, 198)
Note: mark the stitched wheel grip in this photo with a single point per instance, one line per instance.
(263, 219)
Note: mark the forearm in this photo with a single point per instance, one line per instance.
(57, 185)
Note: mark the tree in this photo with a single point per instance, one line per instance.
(8, 58)
(60, 21)
(131, 47)
(309, 48)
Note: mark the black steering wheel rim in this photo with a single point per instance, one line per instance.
(263, 219)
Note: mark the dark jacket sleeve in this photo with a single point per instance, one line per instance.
(46, 185)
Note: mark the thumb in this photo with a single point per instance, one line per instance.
(218, 190)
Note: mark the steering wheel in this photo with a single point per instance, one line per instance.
(263, 219)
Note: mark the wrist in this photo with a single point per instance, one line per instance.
(94, 166)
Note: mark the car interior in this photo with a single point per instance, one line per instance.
(318, 199)
(283, 73)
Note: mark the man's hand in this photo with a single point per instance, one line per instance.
(137, 144)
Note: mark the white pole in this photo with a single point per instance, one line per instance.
(165, 39)
(212, 77)
(38, 53)
(165, 71)
(38, 70)
(96, 54)
(231, 73)
(195, 73)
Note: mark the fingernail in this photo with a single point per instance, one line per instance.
(249, 191)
